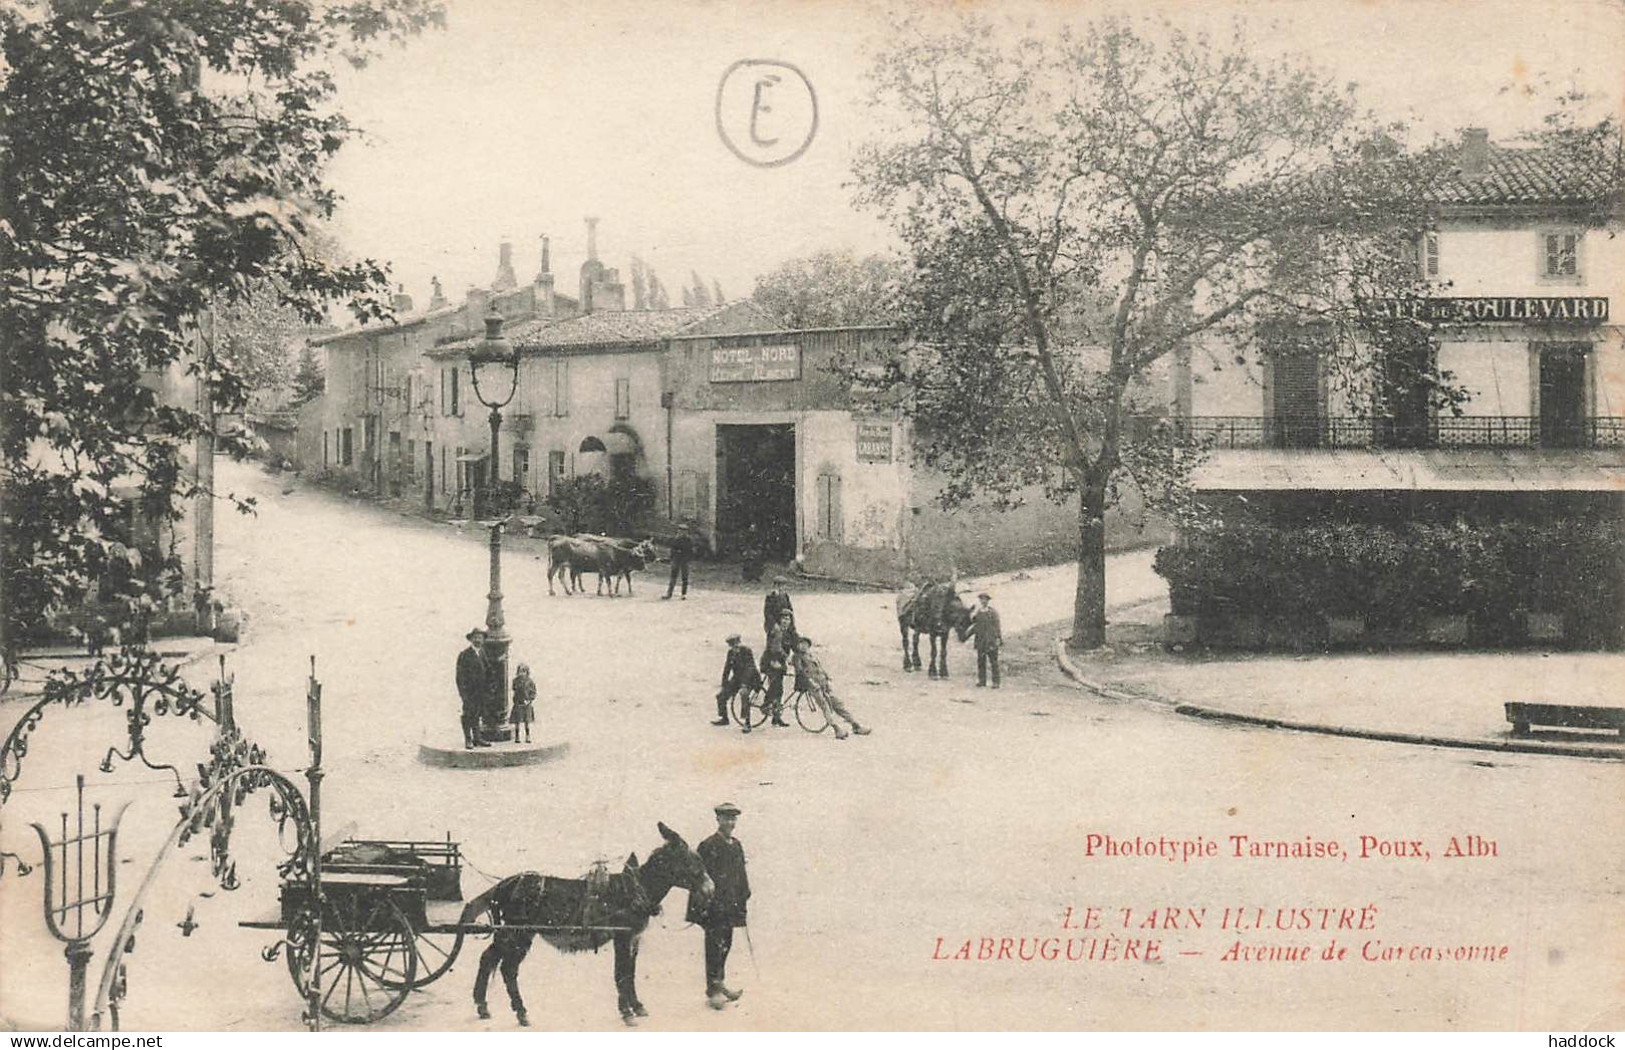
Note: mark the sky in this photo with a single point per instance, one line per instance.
(525, 116)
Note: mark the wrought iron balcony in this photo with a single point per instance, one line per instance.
(1333, 432)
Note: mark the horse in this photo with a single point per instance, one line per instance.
(932, 609)
(582, 914)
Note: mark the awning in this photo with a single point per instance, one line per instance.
(1427, 470)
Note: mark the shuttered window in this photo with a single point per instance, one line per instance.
(1562, 254)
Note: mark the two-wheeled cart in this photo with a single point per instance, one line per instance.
(393, 920)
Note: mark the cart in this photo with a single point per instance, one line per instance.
(391, 923)
(393, 920)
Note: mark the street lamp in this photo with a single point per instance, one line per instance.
(501, 362)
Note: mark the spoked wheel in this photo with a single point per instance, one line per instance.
(436, 951)
(757, 712)
(368, 962)
(810, 714)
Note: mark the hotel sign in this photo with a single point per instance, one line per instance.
(755, 364)
(874, 442)
(1540, 309)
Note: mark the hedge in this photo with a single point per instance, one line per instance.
(1394, 575)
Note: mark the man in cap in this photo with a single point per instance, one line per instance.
(776, 604)
(738, 674)
(984, 626)
(781, 648)
(724, 861)
(471, 687)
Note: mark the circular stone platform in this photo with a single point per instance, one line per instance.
(452, 755)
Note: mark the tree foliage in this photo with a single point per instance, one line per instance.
(1079, 209)
(829, 289)
(160, 160)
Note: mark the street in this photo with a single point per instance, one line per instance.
(966, 816)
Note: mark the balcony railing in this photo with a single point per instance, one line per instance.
(1332, 432)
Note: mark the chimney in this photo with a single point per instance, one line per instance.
(400, 300)
(475, 307)
(437, 297)
(505, 281)
(545, 303)
(592, 239)
(1475, 150)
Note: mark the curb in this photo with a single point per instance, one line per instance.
(1211, 714)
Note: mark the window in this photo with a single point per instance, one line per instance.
(688, 495)
(442, 466)
(346, 447)
(1560, 255)
(406, 394)
(555, 470)
(623, 398)
(1430, 255)
(324, 448)
(411, 460)
(561, 387)
(521, 466)
(456, 408)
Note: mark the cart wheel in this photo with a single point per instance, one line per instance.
(810, 715)
(367, 964)
(758, 712)
(436, 951)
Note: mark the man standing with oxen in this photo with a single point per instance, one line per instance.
(724, 861)
(682, 552)
(471, 687)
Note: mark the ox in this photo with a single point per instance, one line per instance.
(569, 557)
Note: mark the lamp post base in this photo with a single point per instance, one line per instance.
(497, 734)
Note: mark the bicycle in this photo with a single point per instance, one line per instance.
(810, 714)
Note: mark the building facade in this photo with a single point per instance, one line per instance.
(1521, 266)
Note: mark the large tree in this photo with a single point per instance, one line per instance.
(161, 160)
(830, 289)
(1080, 209)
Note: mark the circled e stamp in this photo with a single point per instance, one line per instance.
(767, 112)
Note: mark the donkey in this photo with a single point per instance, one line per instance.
(582, 914)
(933, 609)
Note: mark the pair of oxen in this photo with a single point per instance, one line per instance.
(569, 558)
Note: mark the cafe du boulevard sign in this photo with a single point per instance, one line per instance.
(1471, 309)
(755, 364)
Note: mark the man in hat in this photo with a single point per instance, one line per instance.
(724, 861)
(811, 678)
(776, 604)
(738, 673)
(984, 627)
(682, 551)
(471, 687)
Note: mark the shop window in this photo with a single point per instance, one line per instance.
(1560, 255)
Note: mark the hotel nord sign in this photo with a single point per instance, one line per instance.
(755, 364)
(1480, 308)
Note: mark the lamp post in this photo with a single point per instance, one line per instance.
(501, 362)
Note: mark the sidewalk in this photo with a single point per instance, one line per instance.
(1437, 699)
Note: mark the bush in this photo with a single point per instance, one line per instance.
(589, 503)
(1394, 576)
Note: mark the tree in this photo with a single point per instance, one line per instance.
(308, 380)
(829, 289)
(136, 200)
(640, 285)
(658, 297)
(1078, 210)
(700, 295)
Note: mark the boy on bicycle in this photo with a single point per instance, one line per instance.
(738, 674)
(818, 686)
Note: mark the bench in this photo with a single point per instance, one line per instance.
(1569, 716)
